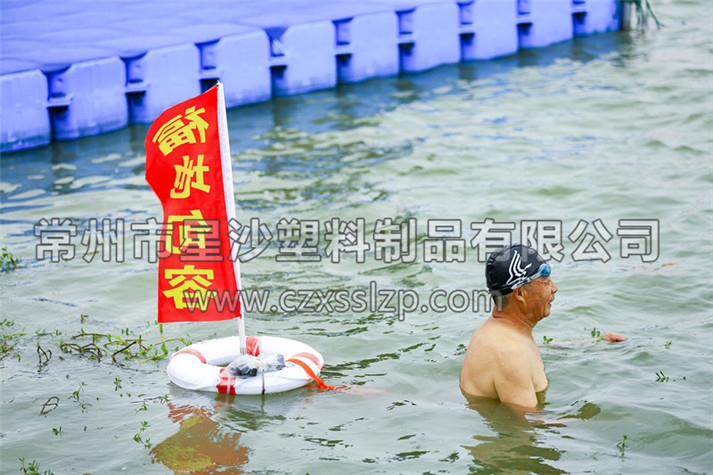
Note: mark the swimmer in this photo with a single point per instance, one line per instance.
(503, 361)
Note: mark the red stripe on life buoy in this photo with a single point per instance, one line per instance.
(191, 351)
(253, 345)
(226, 384)
(309, 356)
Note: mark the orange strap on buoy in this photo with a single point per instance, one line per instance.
(311, 374)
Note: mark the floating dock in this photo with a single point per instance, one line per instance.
(83, 67)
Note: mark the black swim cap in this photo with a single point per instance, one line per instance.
(509, 267)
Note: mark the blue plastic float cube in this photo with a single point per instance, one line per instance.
(302, 58)
(161, 78)
(429, 35)
(87, 98)
(544, 22)
(25, 121)
(301, 51)
(366, 36)
(488, 28)
(595, 16)
(234, 54)
(242, 64)
(367, 46)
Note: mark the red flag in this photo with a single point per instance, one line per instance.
(189, 168)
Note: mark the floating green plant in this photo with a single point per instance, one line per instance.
(128, 347)
(44, 355)
(622, 445)
(7, 338)
(75, 394)
(49, 405)
(137, 436)
(33, 468)
(8, 261)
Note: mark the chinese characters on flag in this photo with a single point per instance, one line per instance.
(188, 166)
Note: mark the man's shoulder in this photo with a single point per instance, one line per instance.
(502, 341)
(486, 341)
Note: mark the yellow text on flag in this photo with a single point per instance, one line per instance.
(189, 176)
(188, 279)
(180, 130)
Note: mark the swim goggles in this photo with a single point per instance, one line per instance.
(544, 271)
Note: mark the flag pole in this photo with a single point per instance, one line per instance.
(229, 191)
(241, 330)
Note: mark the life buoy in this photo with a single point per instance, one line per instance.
(198, 366)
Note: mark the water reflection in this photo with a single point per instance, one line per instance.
(200, 446)
(210, 427)
(515, 446)
(65, 167)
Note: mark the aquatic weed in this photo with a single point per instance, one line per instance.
(622, 445)
(75, 396)
(6, 338)
(129, 347)
(144, 425)
(137, 436)
(44, 355)
(661, 378)
(100, 344)
(8, 261)
(33, 468)
(49, 405)
(91, 349)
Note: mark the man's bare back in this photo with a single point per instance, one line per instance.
(503, 362)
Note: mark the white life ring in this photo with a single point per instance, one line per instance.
(198, 366)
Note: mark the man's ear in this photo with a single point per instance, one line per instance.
(519, 293)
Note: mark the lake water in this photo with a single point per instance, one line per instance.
(599, 130)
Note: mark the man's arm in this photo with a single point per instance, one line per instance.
(513, 382)
(609, 336)
(613, 337)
